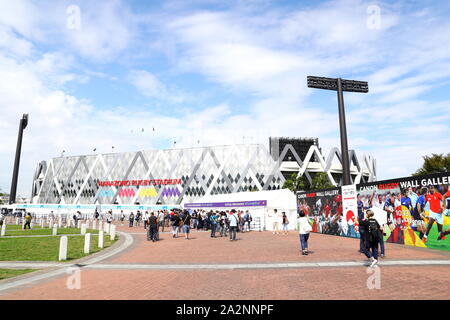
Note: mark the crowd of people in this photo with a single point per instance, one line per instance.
(219, 223)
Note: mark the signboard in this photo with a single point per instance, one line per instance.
(403, 205)
(256, 203)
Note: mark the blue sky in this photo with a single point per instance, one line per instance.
(219, 73)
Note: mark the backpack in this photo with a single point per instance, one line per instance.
(373, 230)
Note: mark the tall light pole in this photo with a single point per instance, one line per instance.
(23, 124)
(340, 85)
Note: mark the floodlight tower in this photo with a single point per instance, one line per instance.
(340, 85)
(23, 124)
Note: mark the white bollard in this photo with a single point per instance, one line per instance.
(42, 223)
(17, 221)
(50, 223)
(87, 243)
(100, 225)
(83, 229)
(32, 225)
(113, 232)
(87, 224)
(94, 224)
(3, 232)
(101, 236)
(55, 230)
(63, 248)
(107, 228)
(78, 224)
(59, 222)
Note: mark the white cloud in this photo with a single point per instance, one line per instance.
(264, 57)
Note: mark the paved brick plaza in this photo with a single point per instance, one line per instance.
(137, 281)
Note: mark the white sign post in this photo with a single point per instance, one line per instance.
(55, 229)
(87, 243)
(3, 232)
(63, 248)
(112, 232)
(83, 229)
(101, 235)
(350, 209)
(94, 224)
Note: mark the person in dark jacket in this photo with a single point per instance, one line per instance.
(175, 224)
(152, 227)
(362, 228)
(372, 237)
(131, 219)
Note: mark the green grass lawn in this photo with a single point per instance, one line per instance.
(46, 248)
(15, 230)
(9, 273)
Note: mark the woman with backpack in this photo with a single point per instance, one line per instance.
(372, 228)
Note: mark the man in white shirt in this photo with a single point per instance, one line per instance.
(161, 220)
(234, 220)
(276, 218)
(145, 217)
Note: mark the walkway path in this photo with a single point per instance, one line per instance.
(259, 265)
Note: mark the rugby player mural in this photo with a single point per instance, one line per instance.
(413, 211)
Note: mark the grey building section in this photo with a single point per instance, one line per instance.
(202, 171)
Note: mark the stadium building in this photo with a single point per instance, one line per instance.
(175, 176)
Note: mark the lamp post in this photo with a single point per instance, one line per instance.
(340, 85)
(23, 124)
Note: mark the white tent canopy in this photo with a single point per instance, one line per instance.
(282, 200)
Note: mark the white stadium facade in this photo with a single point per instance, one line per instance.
(176, 176)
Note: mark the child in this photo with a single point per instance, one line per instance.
(372, 237)
(304, 230)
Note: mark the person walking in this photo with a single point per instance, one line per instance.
(248, 219)
(234, 220)
(372, 237)
(242, 222)
(275, 222)
(152, 224)
(213, 223)
(362, 228)
(75, 219)
(109, 217)
(161, 220)
(27, 221)
(175, 224)
(194, 219)
(138, 218)
(131, 219)
(285, 224)
(145, 217)
(225, 224)
(186, 218)
(122, 216)
(304, 230)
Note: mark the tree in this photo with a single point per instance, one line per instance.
(296, 183)
(321, 181)
(436, 163)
